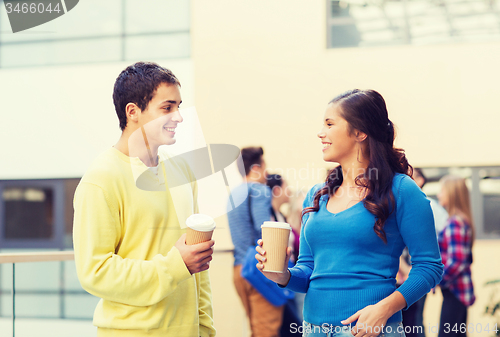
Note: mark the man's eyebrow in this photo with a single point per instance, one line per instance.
(169, 101)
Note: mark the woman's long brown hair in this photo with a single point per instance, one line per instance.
(365, 110)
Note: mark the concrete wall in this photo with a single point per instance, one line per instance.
(56, 120)
(263, 76)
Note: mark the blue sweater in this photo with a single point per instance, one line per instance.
(344, 266)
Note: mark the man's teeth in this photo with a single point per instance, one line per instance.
(170, 129)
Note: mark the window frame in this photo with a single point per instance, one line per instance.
(476, 196)
(57, 240)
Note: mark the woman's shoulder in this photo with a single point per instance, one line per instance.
(401, 179)
(458, 221)
(407, 193)
(315, 189)
(404, 184)
(312, 192)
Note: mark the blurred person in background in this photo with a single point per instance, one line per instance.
(129, 247)
(414, 316)
(244, 224)
(356, 225)
(439, 212)
(280, 196)
(295, 220)
(280, 192)
(455, 244)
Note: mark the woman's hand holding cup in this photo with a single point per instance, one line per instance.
(277, 277)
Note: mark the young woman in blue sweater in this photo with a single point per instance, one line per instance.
(355, 226)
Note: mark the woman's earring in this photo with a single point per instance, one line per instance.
(357, 157)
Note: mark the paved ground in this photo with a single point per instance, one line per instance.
(47, 328)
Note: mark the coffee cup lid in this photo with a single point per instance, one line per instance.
(201, 222)
(275, 224)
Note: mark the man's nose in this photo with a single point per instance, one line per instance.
(177, 116)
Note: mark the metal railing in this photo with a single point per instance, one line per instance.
(55, 256)
(29, 257)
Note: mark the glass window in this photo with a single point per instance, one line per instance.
(152, 16)
(145, 47)
(97, 31)
(29, 213)
(363, 23)
(490, 190)
(63, 52)
(484, 193)
(32, 213)
(90, 18)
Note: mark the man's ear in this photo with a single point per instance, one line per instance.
(255, 168)
(276, 190)
(132, 111)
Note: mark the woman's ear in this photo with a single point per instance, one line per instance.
(360, 136)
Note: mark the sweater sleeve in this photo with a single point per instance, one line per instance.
(416, 225)
(260, 205)
(96, 235)
(301, 273)
(205, 305)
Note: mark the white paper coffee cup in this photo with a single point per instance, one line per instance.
(200, 228)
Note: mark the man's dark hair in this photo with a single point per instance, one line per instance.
(137, 84)
(420, 173)
(273, 180)
(251, 156)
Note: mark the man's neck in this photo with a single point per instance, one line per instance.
(134, 146)
(250, 179)
(276, 204)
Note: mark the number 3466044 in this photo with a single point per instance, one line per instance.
(472, 328)
(32, 7)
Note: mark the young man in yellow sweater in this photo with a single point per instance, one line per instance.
(129, 244)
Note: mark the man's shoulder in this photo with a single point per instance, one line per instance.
(257, 187)
(107, 166)
(250, 186)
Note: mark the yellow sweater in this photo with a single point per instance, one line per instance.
(124, 240)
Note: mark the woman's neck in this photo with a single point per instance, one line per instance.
(351, 171)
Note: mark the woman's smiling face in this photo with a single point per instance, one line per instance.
(338, 142)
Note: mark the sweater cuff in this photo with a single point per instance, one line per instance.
(205, 332)
(296, 283)
(173, 265)
(413, 289)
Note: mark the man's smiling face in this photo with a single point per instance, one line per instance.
(161, 116)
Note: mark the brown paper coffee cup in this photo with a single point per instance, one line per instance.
(200, 228)
(275, 236)
(193, 237)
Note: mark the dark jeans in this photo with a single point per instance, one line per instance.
(453, 316)
(413, 317)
